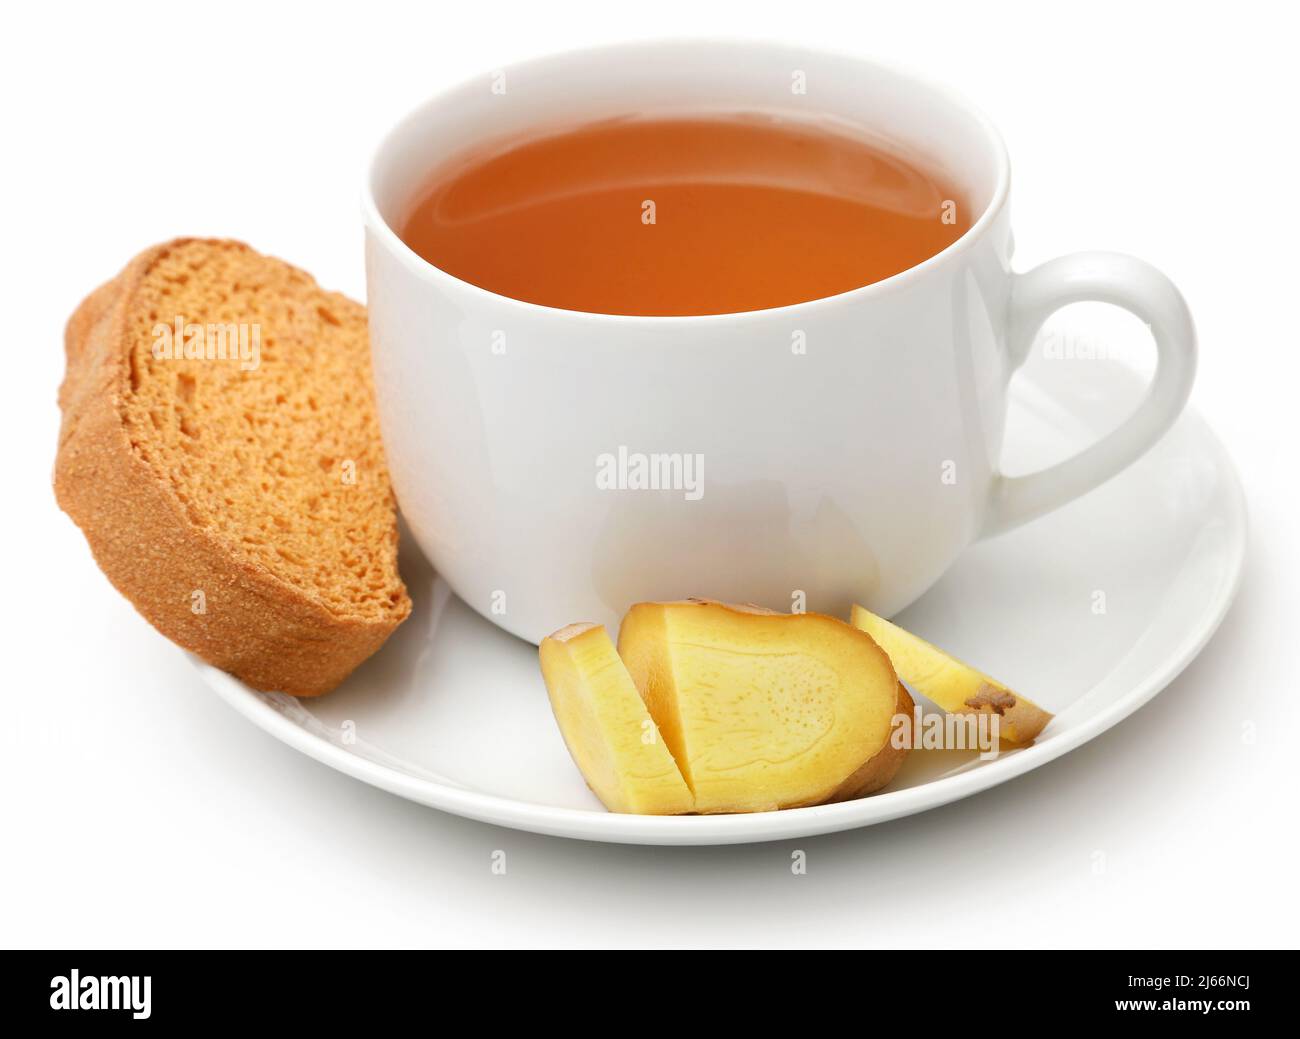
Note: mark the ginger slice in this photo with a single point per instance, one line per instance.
(763, 710)
(605, 724)
(956, 687)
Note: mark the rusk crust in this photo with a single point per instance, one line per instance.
(266, 630)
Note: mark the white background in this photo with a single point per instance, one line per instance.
(139, 810)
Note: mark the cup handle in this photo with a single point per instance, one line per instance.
(1139, 288)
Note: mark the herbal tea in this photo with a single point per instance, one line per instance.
(660, 216)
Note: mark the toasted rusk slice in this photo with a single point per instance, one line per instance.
(221, 451)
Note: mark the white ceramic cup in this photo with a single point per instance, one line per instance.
(809, 455)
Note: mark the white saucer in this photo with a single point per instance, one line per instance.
(1090, 611)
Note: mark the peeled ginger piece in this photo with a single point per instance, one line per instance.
(956, 687)
(610, 734)
(765, 710)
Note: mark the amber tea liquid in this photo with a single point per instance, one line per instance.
(674, 216)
